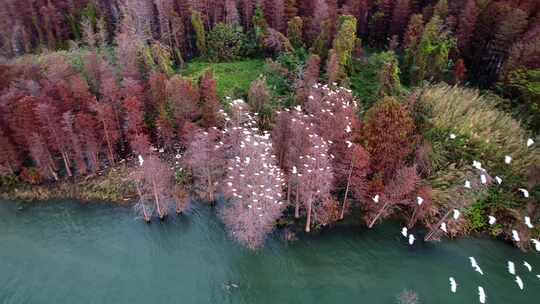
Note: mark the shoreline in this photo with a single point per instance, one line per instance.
(110, 185)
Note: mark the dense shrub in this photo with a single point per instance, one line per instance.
(225, 43)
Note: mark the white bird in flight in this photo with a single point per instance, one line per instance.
(456, 214)
(376, 198)
(498, 179)
(511, 268)
(141, 160)
(419, 200)
(467, 184)
(411, 239)
(525, 192)
(515, 235)
(528, 222)
(528, 266)
(508, 159)
(481, 294)
(453, 284)
(530, 142)
(443, 227)
(492, 220)
(475, 265)
(519, 282)
(404, 231)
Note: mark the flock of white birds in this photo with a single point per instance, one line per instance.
(482, 296)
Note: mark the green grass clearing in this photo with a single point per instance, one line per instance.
(233, 78)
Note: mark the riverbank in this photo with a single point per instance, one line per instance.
(110, 185)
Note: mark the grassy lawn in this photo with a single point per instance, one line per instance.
(233, 78)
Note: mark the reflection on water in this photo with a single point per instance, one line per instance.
(71, 253)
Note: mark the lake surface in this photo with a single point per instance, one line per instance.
(65, 252)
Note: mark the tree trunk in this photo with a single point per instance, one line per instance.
(378, 215)
(66, 164)
(342, 215)
(308, 220)
(156, 198)
(297, 204)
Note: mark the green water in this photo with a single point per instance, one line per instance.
(71, 253)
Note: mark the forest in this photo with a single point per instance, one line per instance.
(297, 114)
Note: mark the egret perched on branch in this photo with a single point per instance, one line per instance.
(411, 239)
(483, 179)
(404, 231)
(294, 170)
(492, 220)
(376, 198)
(498, 179)
(528, 222)
(528, 266)
(511, 268)
(481, 294)
(453, 285)
(475, 265)
(477, 165)
(525, 192)
(515, 235)
(467, 184)
(456, 214)
(443, 227)
(530, 142)
(141, 160)
(507, 159)
(519, 282)
(419, 200)
(452, 136)
(349, 144)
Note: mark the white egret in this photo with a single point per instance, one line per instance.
(419, 200)
(525, 192)
(519, 282)
(536, 244)
(528, 266)
(404, 231)
(483, 179)
(467, 184)
(481, 294)
(508, 159)
(443, 227)
(376, 198)
(492, 220)
(411, 239)
(528, 222)
(456, 214)
(141, 160)
(452, 136)
(348, 129)
(477, 165)
(515, 235)
(498, 179)
(530, 142)
(511, 268)
(349, 144)
(294, 170)
(475, 265)
(453, 285)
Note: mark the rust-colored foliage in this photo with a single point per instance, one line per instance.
(209, 102)
(388, 133)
